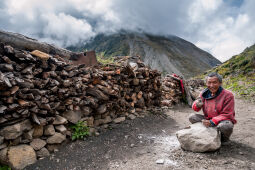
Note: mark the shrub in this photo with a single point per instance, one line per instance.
(80, 130)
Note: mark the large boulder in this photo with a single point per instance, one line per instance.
(18, 157)
(198, 138)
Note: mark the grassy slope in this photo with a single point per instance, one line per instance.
(239, 73)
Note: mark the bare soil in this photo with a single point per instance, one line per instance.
(149, 142)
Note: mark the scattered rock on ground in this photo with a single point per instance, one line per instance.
(119, 119)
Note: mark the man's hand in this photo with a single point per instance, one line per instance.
(199, 103)
(206, 123)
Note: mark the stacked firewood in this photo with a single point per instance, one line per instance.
(42, 86)
(40, 95)
(171, 91)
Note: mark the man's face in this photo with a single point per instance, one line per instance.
(213, 84)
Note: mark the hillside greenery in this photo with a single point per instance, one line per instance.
(239, 73)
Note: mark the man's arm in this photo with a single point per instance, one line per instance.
(197, 104)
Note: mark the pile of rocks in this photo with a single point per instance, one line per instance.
(41, 95)
(171, 91)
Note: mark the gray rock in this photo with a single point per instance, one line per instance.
(160, 161)
(53, 147)
(61, 128)
(119, 119)
(18, 157)
(42, 153)
(16, 130)
(1, 139)
(38, 131)
(131, 116)
(72, 116)
(29, 135)
(49, 130)
(56, 138)
(3, 156)
(59, 120)
(98, 122)
(108, 119)
(37, 144)
(86, 110)
(198, 138)
(3, 145)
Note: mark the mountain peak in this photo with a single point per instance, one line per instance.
(169, 54)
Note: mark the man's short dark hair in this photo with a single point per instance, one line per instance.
(214, 74)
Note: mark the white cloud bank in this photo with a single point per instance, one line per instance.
(217, 26)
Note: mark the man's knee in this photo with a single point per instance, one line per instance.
(226, 127)
(194, 118)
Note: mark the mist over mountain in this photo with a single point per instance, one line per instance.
(169, 54)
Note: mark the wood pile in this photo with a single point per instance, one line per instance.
(40, 95)
(171, 91)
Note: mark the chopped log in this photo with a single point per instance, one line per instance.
(97, 93)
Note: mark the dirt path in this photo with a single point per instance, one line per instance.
(150, 143)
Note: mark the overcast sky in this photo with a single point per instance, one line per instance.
(222, 27)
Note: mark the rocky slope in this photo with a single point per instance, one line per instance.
(169, 54)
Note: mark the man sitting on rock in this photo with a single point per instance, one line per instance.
(218, 107)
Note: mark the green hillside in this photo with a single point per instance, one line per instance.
(239, 73)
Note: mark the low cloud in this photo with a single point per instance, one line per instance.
(217, 26)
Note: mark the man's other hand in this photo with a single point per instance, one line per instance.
(206, 123)
(199, 103)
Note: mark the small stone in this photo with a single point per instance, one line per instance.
(97, 133)
(42, 153)
(53, 148)
(119, 120)
(59, 120)
(106, 120)
(3, 145)
(61, 128)
(29, 135)
(132, 145)
(86, 110)
(37, 144)
(49, 130)
(56, 138)
(160, 161)
(131, 116)
(72, 116)
(92, 131)
(16, 141)
(1, 140)
(38, 131)
(98, 122)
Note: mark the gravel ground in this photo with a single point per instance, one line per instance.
(150, 143)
